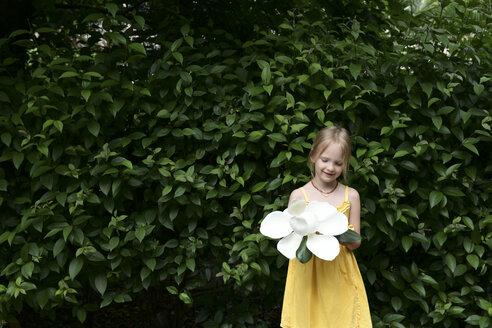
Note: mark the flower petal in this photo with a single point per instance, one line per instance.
(296, 207)
(322, 210)
(304, 224)
(276, 225)
(334, 225)
(289, 245)
(324, 247)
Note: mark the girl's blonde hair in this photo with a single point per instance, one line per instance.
(326, 137)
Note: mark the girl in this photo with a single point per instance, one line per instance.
(328, 294)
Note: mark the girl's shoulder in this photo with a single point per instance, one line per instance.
(353, 195)
(297, 193)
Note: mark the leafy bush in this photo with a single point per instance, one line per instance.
(137, 156)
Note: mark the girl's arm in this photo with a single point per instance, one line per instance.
(354, 219)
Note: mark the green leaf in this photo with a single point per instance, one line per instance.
(397, 102)
(290, 100)
(396, 303)
(473, 260)
(285, 26)
(144, 273)
(93, 74)
(441, 238)
(185, 29)
(427, 88)
(284, 60)
(94, 128)
(435, 198)
(268, 89)
(303, 78)
(112, 8)
(151, 263)
(81, 314)
(3, 185)
(17, 33)
(303, 254)
(185, 298)
(450, 261)
(266, 75)
(429, 47)
(406, 242)
(106, 301)
(6, 138)
(278, 137)
(172, 290)
(117, 37)
(58, 248)
(179, 191)
(259, 186)
(140, 20)
(409, 166)
(176, 44)
(437, 121)
(93, 17)
(17, 159)
(389, 89)
(178, 56)
(113, 243)
(478, 88)
(245, 199)
(419, 288)
(348, 236)
(58, 125)
(471, 147)
(355, 70)
(68, 75)
(42, 297)
(409, 82)
(166, 190)
(27, 269)
(86, 94)
(341, 83)
(400, 153)
(137, 47)
(75, 266)
(140, 233)
(190, 264)
(393, 317)
(101, 282)
(428, 279)
(314, 68)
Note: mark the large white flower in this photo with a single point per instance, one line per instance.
(319, 221)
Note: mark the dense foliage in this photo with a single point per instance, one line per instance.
(141, 154)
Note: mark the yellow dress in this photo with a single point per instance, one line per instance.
(326, 294)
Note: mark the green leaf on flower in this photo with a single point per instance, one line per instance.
(348, 236)
(303, 254)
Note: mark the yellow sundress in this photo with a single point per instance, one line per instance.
(326, 294)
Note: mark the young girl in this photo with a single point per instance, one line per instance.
(328, 294)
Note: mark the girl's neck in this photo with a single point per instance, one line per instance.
(324, 186)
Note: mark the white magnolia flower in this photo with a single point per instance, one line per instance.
(319, 221)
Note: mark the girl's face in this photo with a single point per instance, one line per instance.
(329, 165)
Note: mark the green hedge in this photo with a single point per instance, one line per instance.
(137, 156)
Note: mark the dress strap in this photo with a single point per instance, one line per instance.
(346, 193)
(305, 195)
